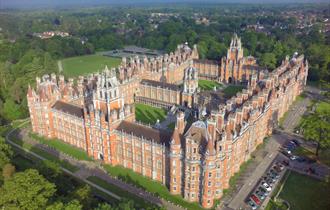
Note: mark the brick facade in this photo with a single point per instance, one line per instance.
(195, 160)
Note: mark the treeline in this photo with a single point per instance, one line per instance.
(23, 57)
(22, 61)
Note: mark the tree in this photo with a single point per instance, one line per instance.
(8, 170)
(11, 110)
(26, 190)
(5, 153)
(316, 127)
(268, 60)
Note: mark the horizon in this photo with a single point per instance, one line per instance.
(26, 4)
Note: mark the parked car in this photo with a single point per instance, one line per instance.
(263, 190)
(255, 199)
(266, 186)
(260, 194)
(277, 169)
(273, 174)
(281, 167)
(293, 157)
(252, 204)
(296, 142)
(269, 179)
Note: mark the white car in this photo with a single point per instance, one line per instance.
(266, 186)
(293, 157)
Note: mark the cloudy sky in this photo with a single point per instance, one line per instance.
(47, 3)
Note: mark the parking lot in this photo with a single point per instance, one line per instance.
(266, 185)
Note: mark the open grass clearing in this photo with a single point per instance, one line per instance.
(86, 64)
(305, 193)
(148, 114)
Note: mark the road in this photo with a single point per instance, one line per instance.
(85, 171)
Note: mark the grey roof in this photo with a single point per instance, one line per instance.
(160, 84)
(69, 109)
(147, 133)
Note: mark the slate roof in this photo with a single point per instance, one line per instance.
(147, 133)
(160, 84)
(69, 109)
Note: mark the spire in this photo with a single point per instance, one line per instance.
(176, 139)
(210, 147)
(29, 91)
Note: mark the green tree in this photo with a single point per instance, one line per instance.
(5, 153)
(26, 190)
(316, 127)
(268, 60)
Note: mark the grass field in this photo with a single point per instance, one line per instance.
(81, 65)
(140, 203)
(157, 188)
(63, 147)
(148, 114)
(232, 90)
(323, 106)
(208, 85)
(305, 193)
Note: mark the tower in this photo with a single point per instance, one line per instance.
(190, 85)
(105, 110)
(176, 156)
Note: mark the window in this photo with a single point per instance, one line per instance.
(208, 201)
(159, 164)
(149, 161)
(174, 180)
(193, 168)
(209, 184)
(174, 188)
(210, 174)
(195, 150)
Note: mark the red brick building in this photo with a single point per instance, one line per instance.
(195, 160)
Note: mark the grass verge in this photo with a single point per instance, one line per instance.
(63, 147)
(45, 155)
(147, 184)
(140, 203)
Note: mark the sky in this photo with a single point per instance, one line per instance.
(53, 3)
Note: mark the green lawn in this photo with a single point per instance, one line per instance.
(323, 106)
(148, 114)
(272, 205)
(157, 188)
(140, 203)
(232, 90)
(63, 147)
(305, 193)
(45, 155)
(81, 65)
(208, 84)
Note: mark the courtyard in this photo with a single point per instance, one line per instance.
(148, 114)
